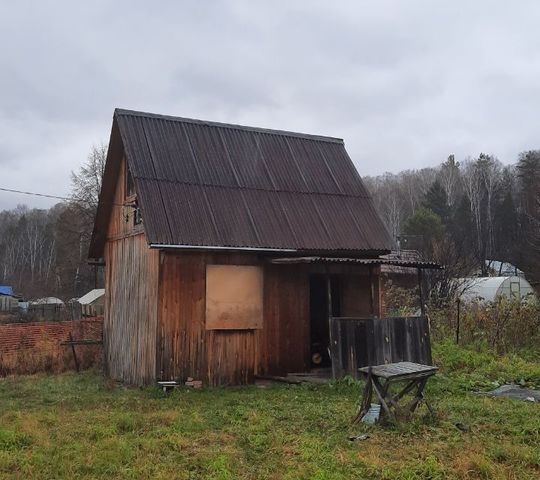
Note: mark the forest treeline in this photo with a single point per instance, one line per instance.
(460, 214)
(44, 252)
(466, 214)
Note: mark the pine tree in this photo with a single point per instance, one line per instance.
(436, 200)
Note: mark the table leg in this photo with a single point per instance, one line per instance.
(418, 397)
(365, 403)
(379, 389)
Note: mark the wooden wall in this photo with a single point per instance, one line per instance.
(219, 357)
(121, 221)
(285, 338)
(131, 297)
(356, 293)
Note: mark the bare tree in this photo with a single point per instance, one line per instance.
(490, 174)
(86, 183)
(450, 177)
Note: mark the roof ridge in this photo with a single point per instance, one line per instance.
(270, 131)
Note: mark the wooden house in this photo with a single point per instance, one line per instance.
(223, 245)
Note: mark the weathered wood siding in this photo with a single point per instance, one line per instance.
(285, 340)
(221, 357)
(374, 341)
(356, 293)
(121, 221)
(131, 300)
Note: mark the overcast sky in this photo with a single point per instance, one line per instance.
(405, 83)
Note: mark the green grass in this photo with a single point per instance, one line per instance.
(82, 426)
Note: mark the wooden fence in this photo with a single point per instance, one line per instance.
(360, 342)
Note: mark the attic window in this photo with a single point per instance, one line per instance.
(130, 186)
(234, 297)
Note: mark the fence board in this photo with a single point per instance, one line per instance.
(360, 342)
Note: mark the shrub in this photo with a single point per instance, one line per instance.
(504, 324)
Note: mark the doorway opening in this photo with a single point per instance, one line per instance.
(318, 313)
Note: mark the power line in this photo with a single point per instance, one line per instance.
(46, 195)
(10, 190)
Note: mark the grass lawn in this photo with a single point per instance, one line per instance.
(81, 426)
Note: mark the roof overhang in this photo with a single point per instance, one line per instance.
(221, 248)
(357, 261)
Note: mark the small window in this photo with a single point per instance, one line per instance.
(234, 297)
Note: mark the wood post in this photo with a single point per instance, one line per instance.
(458, 320)
(371, 292)
(331, 338)
(75, 359)
(421, 293)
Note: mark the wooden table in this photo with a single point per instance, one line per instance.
(379, 379)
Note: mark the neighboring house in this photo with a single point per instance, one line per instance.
(220, 243)
(8, 302)
(92, 303)
(404, 277)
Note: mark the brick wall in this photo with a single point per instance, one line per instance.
(35, 347)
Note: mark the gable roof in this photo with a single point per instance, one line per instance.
(208, 184)
(91, 296)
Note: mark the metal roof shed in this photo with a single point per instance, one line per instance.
(190, 214)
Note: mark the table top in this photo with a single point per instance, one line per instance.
(400, 370)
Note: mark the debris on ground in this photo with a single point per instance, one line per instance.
(358, 438)
(168, 385)
(515, 392)
(462, 426)
(193, 383)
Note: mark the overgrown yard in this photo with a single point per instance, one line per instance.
(80, 426)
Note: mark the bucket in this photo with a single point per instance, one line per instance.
(372, 414)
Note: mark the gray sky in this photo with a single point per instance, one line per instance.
(405, 83)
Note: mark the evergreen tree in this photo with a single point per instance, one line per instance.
(506, 228)
(436, 200)
(427, 226)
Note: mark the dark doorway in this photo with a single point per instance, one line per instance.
(318, 311)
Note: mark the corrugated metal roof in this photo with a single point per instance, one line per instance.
(357, 261)
(402, 254)
(211, 184)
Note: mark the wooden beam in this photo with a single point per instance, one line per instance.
(329, 295)
(371, 292)
(73, 351)
(421, 293)
(331, 338)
